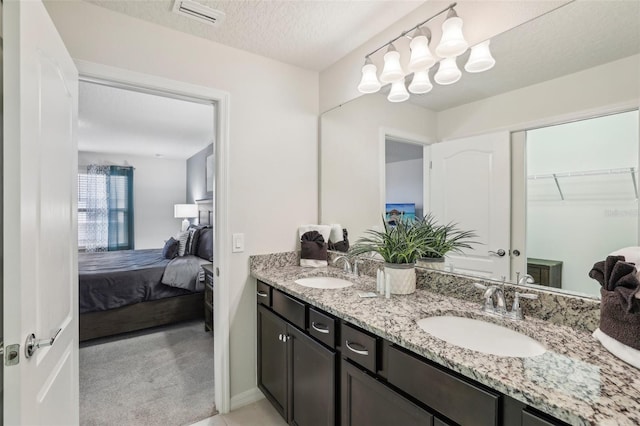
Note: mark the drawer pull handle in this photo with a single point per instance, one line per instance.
(262, 294)
(320, 328)
(358, 351)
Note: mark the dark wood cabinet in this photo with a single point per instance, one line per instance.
(295, 372)
(272, 359)
(208, 297)
(545, 272)
(312, 382)
(368, 402)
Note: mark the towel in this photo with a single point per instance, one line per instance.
(631, 255)
(343, 245)
(336, 233)
(313, 250)
(614, 272)
(624, 352)
(324, 230)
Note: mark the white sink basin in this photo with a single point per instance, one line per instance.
(324, 282)
(481, 336)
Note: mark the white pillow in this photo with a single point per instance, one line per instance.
(182, 238)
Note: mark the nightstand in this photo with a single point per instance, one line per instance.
(208, 297)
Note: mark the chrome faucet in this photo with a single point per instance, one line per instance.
(500, 308)
(347, 264)
(356, 261)
(526, 279)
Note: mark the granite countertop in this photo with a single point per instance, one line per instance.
(576, 380)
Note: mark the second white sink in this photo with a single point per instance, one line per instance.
(324, 282)
(481, 336)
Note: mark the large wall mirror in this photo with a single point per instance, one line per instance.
(555, 124)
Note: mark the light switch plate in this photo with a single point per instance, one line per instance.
(238, 243)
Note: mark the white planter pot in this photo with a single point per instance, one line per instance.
(436, 263)
(402, 277)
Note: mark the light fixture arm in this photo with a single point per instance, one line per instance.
(404, 33)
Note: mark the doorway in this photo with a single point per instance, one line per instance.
(165, 140)
(404, 179)
(582, 197)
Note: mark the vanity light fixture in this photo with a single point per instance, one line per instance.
(451, 45)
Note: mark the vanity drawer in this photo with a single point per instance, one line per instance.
(263, 294)
(289, 308)
(322, 327)
(359, 346)
(462, 402)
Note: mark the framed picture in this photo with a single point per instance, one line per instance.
(209, 173)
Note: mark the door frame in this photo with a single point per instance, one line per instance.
(221, 301)
(403, 136)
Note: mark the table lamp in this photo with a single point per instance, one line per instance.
(185, 211)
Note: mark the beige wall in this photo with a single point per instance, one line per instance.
(158, 184)
(350, 159)
(273, 138)
(563, 98)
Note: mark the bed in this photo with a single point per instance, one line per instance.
(130, 290)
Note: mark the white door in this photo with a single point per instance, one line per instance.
(470, 185)
(40, 220)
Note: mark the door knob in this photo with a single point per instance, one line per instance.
(31, 345)
(498, 253)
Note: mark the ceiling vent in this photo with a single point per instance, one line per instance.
(199, 12)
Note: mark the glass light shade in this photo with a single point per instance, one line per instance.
(398, 92)
(420, 83)
(480, 58)
(392, 70)
(448, 72)
(421, 56)
(369, 82)
(452, 43)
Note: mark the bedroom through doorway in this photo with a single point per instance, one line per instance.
(146, 245)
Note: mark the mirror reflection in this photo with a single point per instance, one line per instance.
(544, 170)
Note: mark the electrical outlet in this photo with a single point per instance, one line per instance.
(238, 243)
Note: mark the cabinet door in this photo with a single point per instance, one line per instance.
(312, 382)
(368, 402)
(272, 359)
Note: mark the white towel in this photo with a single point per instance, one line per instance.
(336, 233)
(622, 351)
(324, 230)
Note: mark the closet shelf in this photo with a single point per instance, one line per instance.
(555, 176)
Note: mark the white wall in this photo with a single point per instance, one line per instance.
(404, 183)
(552, 101)
(352, 157)
(273, 139)
(482, 20)
(158, 184)
(599, 213)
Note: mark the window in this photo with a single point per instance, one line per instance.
(105, 208)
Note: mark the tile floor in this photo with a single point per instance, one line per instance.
(260, 413)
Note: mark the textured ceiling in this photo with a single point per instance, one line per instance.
(577, 36)
(310, 34)
(114, 120)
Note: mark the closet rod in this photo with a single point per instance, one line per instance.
(602, 172)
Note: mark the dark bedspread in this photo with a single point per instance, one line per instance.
(110, 280)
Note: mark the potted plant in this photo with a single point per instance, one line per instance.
(400, 246)
(440, 240)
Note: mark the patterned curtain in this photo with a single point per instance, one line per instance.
(97, 208)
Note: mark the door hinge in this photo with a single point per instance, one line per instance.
(11, 355)
(430, 165)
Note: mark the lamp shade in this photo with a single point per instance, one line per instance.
(398, 92)
(369, 82)
(420, 83)
(392, 70)
(448, 72)
(480, 58)
(421, 56)
(185, 210)
(452, 43)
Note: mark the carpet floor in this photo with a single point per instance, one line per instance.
(158, 377)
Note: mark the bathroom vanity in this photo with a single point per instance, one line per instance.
(330, 357)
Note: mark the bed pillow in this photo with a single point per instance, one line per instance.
(171, 248)
(205, 244)
(182, 239)
(192, 240)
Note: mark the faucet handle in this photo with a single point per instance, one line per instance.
(516, 310)
(480, 286)
(356, 261)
